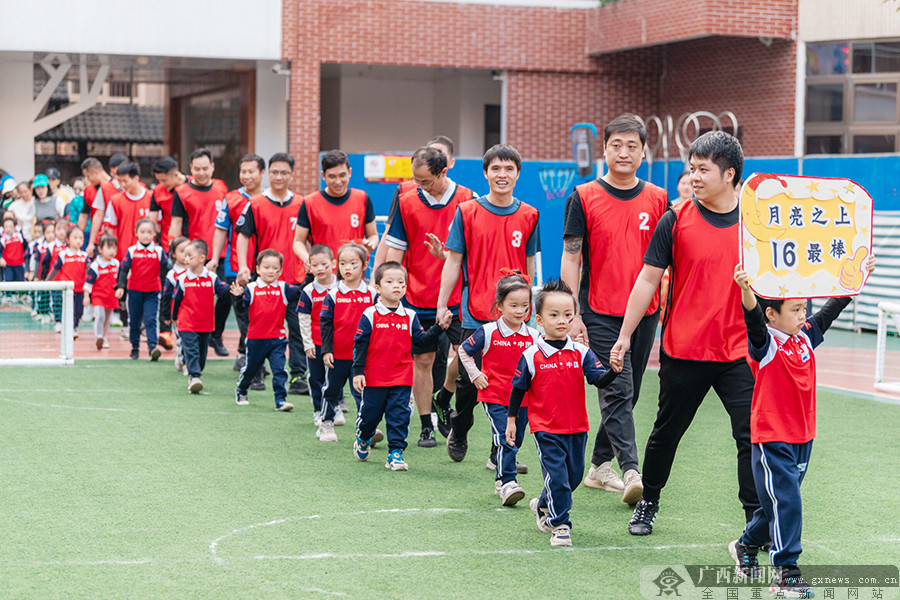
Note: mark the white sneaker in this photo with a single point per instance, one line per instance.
(540, 514)
(511, 493)
(195, 385)
(498, 484)
(115, 320)
(57, 327)
(88, 317)
(561, 536)
(339, 418)
(326, 432)
(634, 487)
(317, 419)
(602, 477)
(105, 343)
(179, 365)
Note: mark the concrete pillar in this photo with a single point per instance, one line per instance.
(271, 110)
(16, 120)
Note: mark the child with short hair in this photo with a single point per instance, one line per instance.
(140, 273)
(56, 245)
(339, 319)
(309, 307)
(782, 342)
(13, 251)
(37, 249)
(193, 309)
(552, 371)
(177, 247)
(383, 365)
(490, 356)
(71, 265)
(266, 301)
(103, 273)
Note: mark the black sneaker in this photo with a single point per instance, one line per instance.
(644, 515)
(443, 414)
(426, 440)
(789, 583)
(217, 346)
(746, 564)
(457, 449)
(135, 354)
(258, 383)
(299, 387)
(521, 468)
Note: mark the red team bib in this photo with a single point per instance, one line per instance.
(618, 233)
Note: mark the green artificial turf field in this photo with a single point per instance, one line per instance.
(119, 484)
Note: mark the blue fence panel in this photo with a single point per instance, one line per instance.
(878, 174)
(546, 185)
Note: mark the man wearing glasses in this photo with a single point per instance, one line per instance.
(269, 218)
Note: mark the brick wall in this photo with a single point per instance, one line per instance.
(637, 23)
(552, 80)
(755, 82)
(392, 32)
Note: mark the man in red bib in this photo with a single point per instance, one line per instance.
(126, 208)
(253, 167)
(269, 219)
(608, 226)
(195, 205)
(495, 232)
(425, 211)
(103, 191)
(168, 177)
(704, 336)
(336, 214)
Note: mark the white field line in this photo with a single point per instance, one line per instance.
(125, 410)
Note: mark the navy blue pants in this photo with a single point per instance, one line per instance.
(392, 403)
(336, 379)
(258, 351)
(16, 273)
(778, 471)
(506, 454)
(562, 463)
(615, 436)
(317, 379)
(194, 345)
(77, 306)
(142, 307)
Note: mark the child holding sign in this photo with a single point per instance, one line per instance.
(782, 427)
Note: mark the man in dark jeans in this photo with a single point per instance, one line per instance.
(608, 225)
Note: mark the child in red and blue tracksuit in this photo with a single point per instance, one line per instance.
(383, 364)
(193, 309)
(782, 344)
(71, 265)
(13, 251)
(309, 307)
(140, 273)
(552, 372)
(266, 301)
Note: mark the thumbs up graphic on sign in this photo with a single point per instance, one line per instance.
(852, 271)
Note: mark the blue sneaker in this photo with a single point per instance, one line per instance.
(361, 449)
(395, 461)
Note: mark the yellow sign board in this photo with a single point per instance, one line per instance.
(387, 168)
(805, 237)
